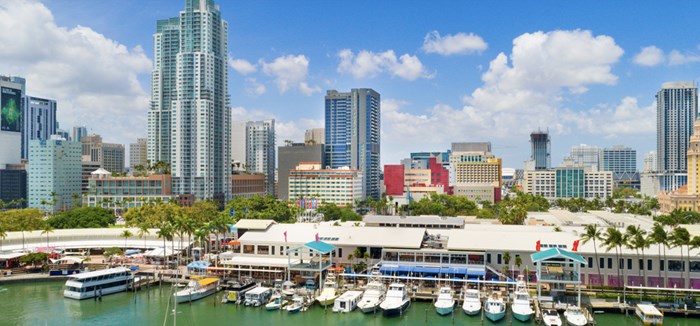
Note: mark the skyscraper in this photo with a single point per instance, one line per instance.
(260, 151)
(622, 162)
(79, 132)
(676, 110)
(54, 170)
(352, 123)
(541, 149)
(138, 153)
(585, 156)
(291, 155)
(189, 121)
(38, 121)
(109, 156)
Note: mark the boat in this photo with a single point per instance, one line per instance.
(472, 302)
(574, 316)
(197, 288)
(520, 306)
(396, 300)
(237, 289)
(296, 305)
(495, 308)
(258, 296)
(550, 317)
(347, 302)
(649, 315)
(445, 303)
(98, 283)
(329, 292)
(275, 303)
(373, 296)
(288, 289)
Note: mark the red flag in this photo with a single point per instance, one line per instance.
(285, 236)
(537, 246)
(575, 247)
(317, 237)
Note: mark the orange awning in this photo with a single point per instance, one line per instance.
(234, 243)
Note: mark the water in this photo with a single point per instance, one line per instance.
(43, 304)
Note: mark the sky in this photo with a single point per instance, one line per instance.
(447, 71)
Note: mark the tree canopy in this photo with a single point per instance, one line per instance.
(21, 219)
(258, 207)
(83, 217)
(332, 212)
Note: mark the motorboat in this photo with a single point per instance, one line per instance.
(258, 296)
(347, 302)
(472, 302)
(197, 289)
(649, 315)
(288, 289)
(296, 305)
(237, 289)
(574, 316)
(495, 308)
(550, 317)
(396, 300)
(445, 303)
(275, 303)
(520, 306)
(329, 292)
(373, 296)
(98, 283)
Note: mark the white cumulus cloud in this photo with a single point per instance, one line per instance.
(367, 64)
(289, 72)
(243, 67)
(460, 43)
(253, 88)
(649, 56)
(93, 78)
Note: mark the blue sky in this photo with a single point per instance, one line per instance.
(446, 70)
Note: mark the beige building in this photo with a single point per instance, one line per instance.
(109, 156)
(316, 135)
(311, 182)
(686, 198)
(477, 176)
(138, 153)
(248, 185)
(559, 183)
(122, 193)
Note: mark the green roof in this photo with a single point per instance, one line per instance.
(320, 246)
(554, 253)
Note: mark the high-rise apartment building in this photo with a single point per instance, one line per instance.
(238, 132)
(79, 132)
(53, 173)
(138, 153)
(676, 110)
(38, 121)
(190, 119)
(541, 149)
(260, 151)
(310, 185)
(352, 130)
(291, 155)
(314, 136)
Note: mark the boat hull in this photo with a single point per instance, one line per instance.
(325, 302)
(193, 296)
(471, 309)
(522, 316)
(576, 322)
(495, 316)
(397, 310)
(92, 294)
(369, 308)
(442, 311)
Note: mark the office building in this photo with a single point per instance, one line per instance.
(11, 94)
(63, 134)
(568, 182)
(541, 150)
(38, 121)
(121, 193)
(585, 156)
(314, 136)
(109, 156)
(310, 185)
(138, 153)
(352, 130)
(471, 147)
(189, 122)
(260, 151)
(248, 185)
(622, 162)
(466, 157)
(13, 185)
(87, 168)
(54, 169)
(238, 140)
(676, 110)
(79, 132)
(478, 180)
(289, 157)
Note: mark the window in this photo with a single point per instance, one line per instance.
(248, 249)
(498, 259)
(641, 264)
(610, 265)
(650, 265)
(629, 263)
(676, 265)
(488, 258)
(601, 262)
(661, 265)
(590, 262)
(695, 266)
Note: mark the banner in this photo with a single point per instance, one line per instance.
(10, 109)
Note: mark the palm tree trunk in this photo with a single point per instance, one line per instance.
(617, 256)
(687, 275)
(597, 262)
(644, 280)
(665, 268)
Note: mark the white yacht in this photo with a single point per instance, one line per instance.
(495, 308)
(329, 292)
(472, 302)
(347, 302)
(550, 317)
(258, 296)
(197, 289)
(521, 302)
(396, 300)
(297, 304)
(574, 316)
(445, 303)
(373, 296)
(98, 283)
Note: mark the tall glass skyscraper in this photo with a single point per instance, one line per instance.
(353, 121)
(541, 150)
(189, 121)
(260, 151)
(38, 121)
(676, 111)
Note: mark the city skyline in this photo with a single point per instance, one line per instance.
(442, 69)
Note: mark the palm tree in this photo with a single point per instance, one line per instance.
(3, 235)
(143, 231)
(165, 232)
(202, 236)
(46, 229)
(591, 232)
(660, 237)
(614, 239)
(681, 237)
(636, 239)
(126, 235)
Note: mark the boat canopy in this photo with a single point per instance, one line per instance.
(471, 271)
(207, 281)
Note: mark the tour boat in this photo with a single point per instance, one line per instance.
(98, 283)
(347, 302)
(197, 289)
(521, 302)
(649, 315)
(574, 316)
(329, 292)
(445, 303)
(396, 300)
(258, 296)
(550, 317)
(373, 296)
(296, 305)
(237, 290)
(495, 308)
(275, 303)
(472, 302)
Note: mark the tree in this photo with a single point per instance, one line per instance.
(109, 252)
(46, 229)
(143, 231)
(614, 239)
(681, 237)
(166, 233)
(660, 237)
(506, 257)
(126, 234)
(518, 261)
(84, 217)
(592, 233)
(3, 235)
(636, 239)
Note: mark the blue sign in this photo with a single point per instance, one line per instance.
(231, 212)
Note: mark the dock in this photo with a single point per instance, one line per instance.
(540, 306)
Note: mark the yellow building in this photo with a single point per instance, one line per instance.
(686, 198)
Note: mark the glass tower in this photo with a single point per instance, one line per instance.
(260, 151)
(541, 150)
